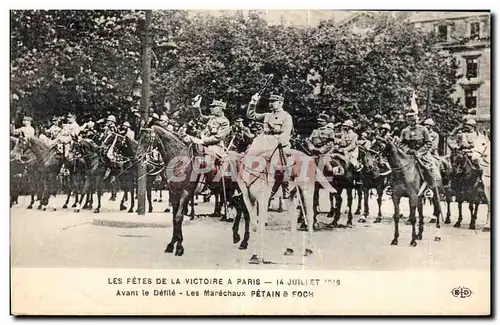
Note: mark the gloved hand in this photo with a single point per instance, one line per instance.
(255, 98)
(197, 101)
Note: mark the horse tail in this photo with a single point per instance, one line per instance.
(324, 182)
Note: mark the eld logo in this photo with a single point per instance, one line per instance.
(461, 292)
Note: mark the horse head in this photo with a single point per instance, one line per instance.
(370, 160)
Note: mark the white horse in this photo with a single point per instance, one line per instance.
(256, 178)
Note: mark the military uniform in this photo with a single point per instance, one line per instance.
(349, 144)
(465, 143)
(321, 140)
(417, 140)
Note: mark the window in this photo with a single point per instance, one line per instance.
(443, 33)
(471, 68)
(471, 100)
(475, 29)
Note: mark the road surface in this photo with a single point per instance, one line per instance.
(66, 239)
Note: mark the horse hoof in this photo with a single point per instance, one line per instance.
(243, 245)
(349, 223)
(433, 220)
(447, 221)
(457, 225)
(29, 207)
(77, 210)
(65, 206)
(169, 248)
(44, 208)
(308, 252)
(419, 237)
(362, 220)
(472, 226)
(155, 200)
(329, 215)
(39, 207)
(486, 229)
(167, 210)
(130, 211)
(236, 239)
(437, 238)
(394, 242)
(413, 243)
(74, 205)
(357, 213)
(378, 220)
(150, 210)
(288, 252)
(160, 200)
(96, 210)
(179, 251)
(122, 207)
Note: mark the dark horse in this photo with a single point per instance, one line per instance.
(183, 175)
(466, 185)
(406, 180)
(48, 163)
(370, 180)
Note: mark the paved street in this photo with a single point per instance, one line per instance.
(67, 239)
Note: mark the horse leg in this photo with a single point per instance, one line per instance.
(123, 200)
(360, 194)
(349, 206)
(179, 216)
(472, 210)
(99, 193)
(132, 199)
(192, 214)
(396, 200)
(413, 200)
(30, 206)
(459, 204)
(236, 226)
(331, 214)
(338, 205)
(420, 209)
(149, 189)
(448, 209)
(174, 200)
(161, 197)
(307, 203)
(263, 200)
(487, 193)
(65, 206)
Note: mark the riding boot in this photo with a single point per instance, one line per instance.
(286, 191)
(106, 174)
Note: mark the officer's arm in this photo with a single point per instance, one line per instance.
(248, 133)
(427, 143)
(251, 114)
(326, 147)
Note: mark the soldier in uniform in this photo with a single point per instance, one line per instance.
(417, 141)
(55, 129)
(88, 131)
(217, 128)
(278, 126)
(242, 135)
(465, 141)
(321, 141)
(26, 129)
(384, 131)
(349, 144)
(126, 131)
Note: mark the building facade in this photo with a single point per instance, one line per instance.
(466, 36)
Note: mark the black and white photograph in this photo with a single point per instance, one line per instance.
(251, 140)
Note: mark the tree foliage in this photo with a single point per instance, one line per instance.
(89, 62)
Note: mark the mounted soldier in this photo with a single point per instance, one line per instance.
(278, 126)
(126, 131)
(55, 129)
(417, 141)
(320, 143)
(242, 137)
(383, 132)
(27, 130)
(70, 131)
(465, 142)
(348, 145)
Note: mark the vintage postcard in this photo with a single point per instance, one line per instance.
(250, 162)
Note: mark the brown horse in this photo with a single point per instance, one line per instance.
(405, 181)
(186, 174)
